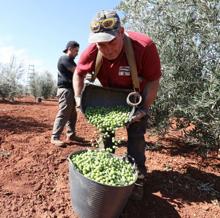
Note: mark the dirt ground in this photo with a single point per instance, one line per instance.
(34, 173)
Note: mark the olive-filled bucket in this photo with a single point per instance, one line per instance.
(92, 199)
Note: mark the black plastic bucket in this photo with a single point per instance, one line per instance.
(94, 200)
(98, 96)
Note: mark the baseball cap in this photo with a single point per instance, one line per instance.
(71, 44)
(104, 26)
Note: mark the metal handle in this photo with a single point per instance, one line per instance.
(137, 98)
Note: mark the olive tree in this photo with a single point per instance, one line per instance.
(47, 85)
(10, 83)
(187, 37)
(42, 85)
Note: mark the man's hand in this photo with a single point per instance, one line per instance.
(78, 101)
(138, 115)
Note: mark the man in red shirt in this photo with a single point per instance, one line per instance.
(107, 36)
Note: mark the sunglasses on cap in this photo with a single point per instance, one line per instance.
(106, 24)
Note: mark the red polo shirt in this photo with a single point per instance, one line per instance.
(116, 73)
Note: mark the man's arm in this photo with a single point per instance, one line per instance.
(71, 69)
(150, 92)
(78, 83)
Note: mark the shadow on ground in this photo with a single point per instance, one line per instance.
(21, 124)
(179, 146)
(192, 186)
(146, 208)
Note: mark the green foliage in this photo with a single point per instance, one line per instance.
(42, 85)
(10, 85)
(47, 85)
(187, 37)
(34, 85)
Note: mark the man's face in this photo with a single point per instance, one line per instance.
(73, 52)
(111, 50)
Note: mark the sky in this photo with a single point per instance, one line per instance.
(36, 31)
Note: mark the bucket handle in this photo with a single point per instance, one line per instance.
(136, 101)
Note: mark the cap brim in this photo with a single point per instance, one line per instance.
(102, 36)
(65, 50)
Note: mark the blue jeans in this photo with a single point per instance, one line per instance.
(66, 115)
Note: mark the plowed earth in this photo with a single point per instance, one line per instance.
(34, 173)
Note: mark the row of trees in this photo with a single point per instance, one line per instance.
(15, 82)
(187, 36)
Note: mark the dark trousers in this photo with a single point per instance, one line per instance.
(136, 141)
